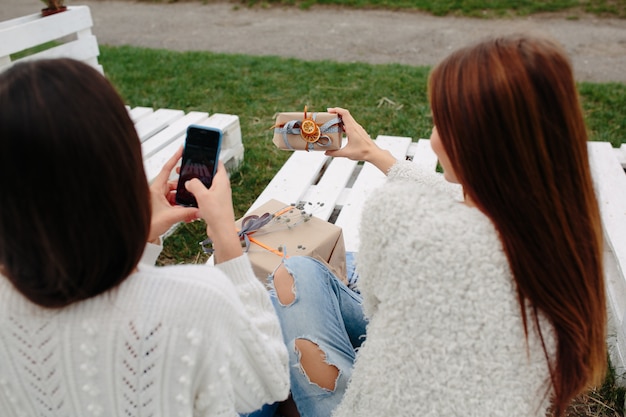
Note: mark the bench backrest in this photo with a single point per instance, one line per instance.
(68, 34)
(65, 34)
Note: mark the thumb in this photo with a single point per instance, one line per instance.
(195, 186)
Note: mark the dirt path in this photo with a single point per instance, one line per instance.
(597, 46)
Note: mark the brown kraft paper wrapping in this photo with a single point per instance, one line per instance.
(288, 132)
(289, 233)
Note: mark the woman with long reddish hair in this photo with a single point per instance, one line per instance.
(483, 299)
(518, 145)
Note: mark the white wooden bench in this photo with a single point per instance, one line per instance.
(70, 31)
(343, 185)
(608, 168)
(162, 131)
(68, 34)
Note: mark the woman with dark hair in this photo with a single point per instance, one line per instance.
(85, 327)
(481, 300)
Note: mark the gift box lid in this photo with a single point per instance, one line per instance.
(316, 131)
(291, 231)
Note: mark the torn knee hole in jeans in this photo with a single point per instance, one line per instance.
(313, 365)
(284, 286)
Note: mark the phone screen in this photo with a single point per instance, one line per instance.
(200, 156)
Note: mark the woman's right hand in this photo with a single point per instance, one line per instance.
(216, 208)
(360, 146)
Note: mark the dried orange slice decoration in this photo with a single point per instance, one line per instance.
(309, 130)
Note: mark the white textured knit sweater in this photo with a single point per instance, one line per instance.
(173, 341)
(445, 336)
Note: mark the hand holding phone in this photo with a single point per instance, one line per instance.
(200, 158)
(216, 209)
(165, 212)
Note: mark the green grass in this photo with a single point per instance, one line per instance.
(33, 50)
(604, 401)
(386, 99)
(473, 8)
(605, 111)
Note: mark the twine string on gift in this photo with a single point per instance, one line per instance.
(310, 131)
(249, 225)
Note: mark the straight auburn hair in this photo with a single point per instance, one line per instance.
(75, 205)
(509, 118)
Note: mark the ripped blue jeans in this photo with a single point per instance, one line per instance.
(327, 313)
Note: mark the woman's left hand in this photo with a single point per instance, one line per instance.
(165, 212)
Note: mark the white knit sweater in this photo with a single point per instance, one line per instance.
(445, 336)
(173, 341)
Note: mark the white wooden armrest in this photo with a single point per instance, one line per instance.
(610, 183)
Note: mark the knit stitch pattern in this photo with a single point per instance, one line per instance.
(175, 341)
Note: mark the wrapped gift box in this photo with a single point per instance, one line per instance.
(293, 232)
(306, 131)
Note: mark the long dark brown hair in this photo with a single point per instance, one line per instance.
(75, 203)
(508, 115)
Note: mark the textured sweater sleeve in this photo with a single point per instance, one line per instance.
(262, 356)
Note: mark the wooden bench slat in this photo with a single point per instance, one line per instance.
(138, 113)
(424, 155)
(11, 23)
(153, 165)
(71, 29)
(368, 180)
(175, 130)
(229, 124)
(292, 181)
(326, 193)
(232, 146)
(621, 155)
(156, 121)
(32, 30)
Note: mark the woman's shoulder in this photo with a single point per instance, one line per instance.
(412, 195)
(189, 275)
(180, 289)
(418, 226)
(416, 174)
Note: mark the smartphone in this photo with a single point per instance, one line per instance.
(200, 157)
